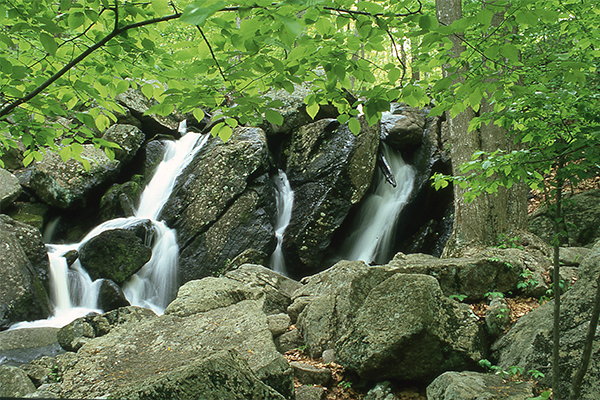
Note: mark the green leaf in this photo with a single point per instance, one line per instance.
(148, 90)
(49, 43)
(161, 7)
(65, 153)
(274, 117)
(312, 110)
(425, 22)
(198, 114)
(197, 13)
(510, 51)
(354, 126)
(76, 19)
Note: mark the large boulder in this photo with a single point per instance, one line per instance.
(19, 346)
(529, 342)
(582, 215)
(22, 294)
(477, 386)
(492, 270)
(10, 188)
(152, 124)
(70, 184)
(159, 356)
(387, 325)
(115, 254)
(121, 200)
(14, 382)
(222, 204)
(30, 240)
(128, 137)
(403, 126)
(329, 169)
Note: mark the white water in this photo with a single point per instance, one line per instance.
(373, 228)
(285, 201)
(74, 294)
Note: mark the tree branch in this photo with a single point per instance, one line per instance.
(117, 31)
(212, 53)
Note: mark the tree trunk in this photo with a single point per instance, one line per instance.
(483, 220)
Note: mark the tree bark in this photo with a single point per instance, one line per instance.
(483, 220)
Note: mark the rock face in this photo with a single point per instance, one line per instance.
(128, 137)
(121, 200)
(138, 104)
(476, 386)
(68, 184)
(387, 325)
(402, 127)
(329, 169)
(498, 271)
(22, 293)
(172, 354)
(223, 204)
(14, 382)
(529, 343)
(32, 244)
(582, 215)
(10, 188)
(115, 254)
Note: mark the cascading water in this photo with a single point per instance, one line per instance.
(74, 294)
(373, 228)
(285, 200)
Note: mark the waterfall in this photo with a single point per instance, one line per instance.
(285, 200)
(74, 294)
(373, 228)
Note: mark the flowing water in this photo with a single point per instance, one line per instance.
(372, 236)
(74, 294)
(285, 200)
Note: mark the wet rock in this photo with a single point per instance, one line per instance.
(582, 216)
(115, 254)
(329, 169)
(477, 386)
(14, 382)
(10, 188)
(528, 344)
(222, 204)
(121, 200)
(403, 126)
(154, 153)
(18, 346)
(69, 184)
(30, 240)
(23, 296)
(33, 214)
(153, 124)
(128, 137)
(246, 223)
(110, 296)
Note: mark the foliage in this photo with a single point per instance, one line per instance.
(64, 62)
(458, 297)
